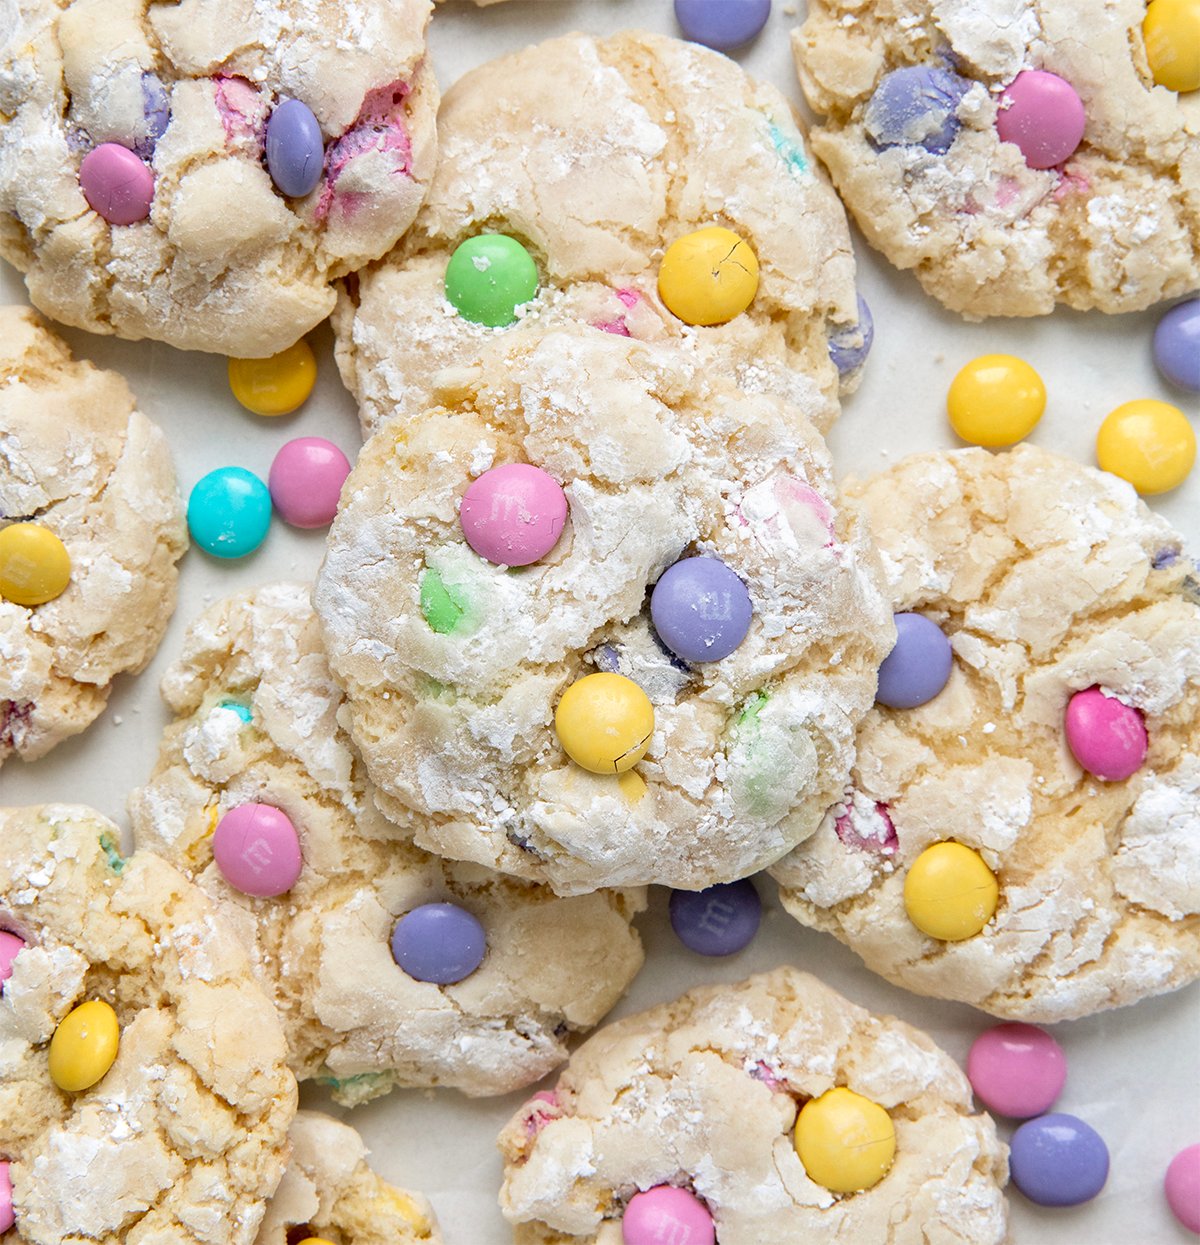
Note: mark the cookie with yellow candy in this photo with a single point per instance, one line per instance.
(1022, 839)
(772, 1109)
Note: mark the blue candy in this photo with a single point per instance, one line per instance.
(919, 665)
(295, 150)
(438, 942)
(717, 921)
(722, 24)
(1177, 345)
(849, 346)
(1058, 1160)
(915, 107)
(229, 512)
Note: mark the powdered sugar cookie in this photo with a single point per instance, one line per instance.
(595, 156)
(144, 1093)
(257, 737)
(1010, 163)
(1062, 757)
(90, 530)
(199, 172)
(684, 1117)
(455, 668)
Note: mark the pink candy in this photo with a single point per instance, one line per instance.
(1182, 1187)
(667, 1214)
(1017, 1070)
(10, 944)
(1108, 738)
(7, 1218)
(1043, 115)
(257, 849)
(513, 515)
(116, 184)
(306, 481)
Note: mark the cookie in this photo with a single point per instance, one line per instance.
(257, 726)
(199, 172)
(184, 1137)
(1009, 163)
(702, 1096)
(328, 1191)
(1061, 594)
(88, 500)
(455, 668)
(596, 155)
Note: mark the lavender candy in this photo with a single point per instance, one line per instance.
(919, 665)
(295, 150)
(701, 609)
(438, 942)
(718, 920)
(915, 107)
(156, 110)
(1058, 1160)
(850, 345)
(721, 24)
(1177, 345)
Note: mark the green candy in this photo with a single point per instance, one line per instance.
(442, 607)
(116, 862)
(489, 277)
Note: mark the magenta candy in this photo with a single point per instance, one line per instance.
(666, 1213)
(7, 1219)
(306, 481)
(116, 184)
(257, 849)
(1017, 1070)
(1043, 115)
(10, 944)
(1107, 737)
(513, 515)
(1182, 1187)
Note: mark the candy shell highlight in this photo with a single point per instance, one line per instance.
(7, 1219)
(1106, 736)
(278, 385)
(439, 942)
(513, 515)
(489, 277)
(257, 850)
(709, 276)
(10, 947)
(84, 1046)
(846, 1142)
(1017, 1070)
(996, 399)
(35, 566)
(604, 723)
(306, 481)
(229, 512)
(1171, 29)
(295, 149)
(1182, 1187)
(950, 893)
(1043, 115)
(1177, 342)
(1058, 1160)
(1149, 443)
(116, 184)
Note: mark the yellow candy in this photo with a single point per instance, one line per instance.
(84, 1046)
(35, 566)
(709, 276)
(315, 1240)
(632, 786)
(274, 386)
(950, 893)
(997, 399)
(604, 723)
(845, 1141)
(1172, 32)
(1149, 443)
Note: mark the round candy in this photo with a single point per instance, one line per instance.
(1171, 29)
(295, 149)
(916, 107)
(1106, 736)
(306, 481)
(7, 1219)
(275, 386)
(996, 399)
(718, 920)
(1017, 1070)
(257, 849)
(1058, 1160)
(701, 609)
(1177, 343)
(604, 723)
(10, 945)
(666, 1213)
(229, 512)
(35, 566)
(315, 1240)
(950, 893)
(1043, 114)
(116, 184)
(721, 24)
(156, 109)
(709, 276)
(84, 1046)
(849, 346)
(1182, 1187)
(845, 1141)
(513, 515)
(918, 666)
(438, 942)
(489, 277)
(1149, 443)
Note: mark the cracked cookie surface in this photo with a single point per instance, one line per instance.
(1049, 578)
(224, 262)
(703, 1092)
(77, 457)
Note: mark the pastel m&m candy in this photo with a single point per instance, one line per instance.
(513, 515)
(1171, 29)
(919, 665)
(315, 1240)
(1149, 443)
(278, 385)
(489, 277)
(718, 920)
(1106, 736)
(845, 1141)
(604, 723)
(916, 107)
(10, 946)
(1177, 340)
(116, 184)
(996, 399)
(949, 892)
(1043, 115)
(229, 512)
(1182, 1187)
(439, 942)
(1017, 1070)
(7, 1219)
(257, 850)
(709, 276)
(84, 1046)
(35, 566)
(721, 24)
(667, 1213)
(701, 609)
(850, 345)
(295, 149)
(1058, 1160)
(306, 481)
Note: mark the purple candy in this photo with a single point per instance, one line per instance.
(1177, 345)
(717, 921)
(295, 150)
(919, 665)
(721, 24)
(438, 942)
(849, 346)
(156, 108)
(1058, 1160)
(701, 609)
(915, 107)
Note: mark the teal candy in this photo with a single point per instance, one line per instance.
(229, 512)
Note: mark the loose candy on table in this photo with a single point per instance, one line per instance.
(513, 515)
(846, 1142)
(84, 1046)
(278, 385)
(919, 665)
(1017, 1070)
(916, 107)
(709, 276)
(1177, 340)
(10, 947)
(35, 566)
(306, 481)
(7, 1218)
(257, 850)
(295, 148)
(1149, 443)
(721, 24)
(1171, 29)
(719, 920)
(949, 892)
(996, 399)
(1058, 1160)
(604, 723)
(1182, 1187)
(489, 277)
(1106, 736)
(850, 344)
(701, 609)
(439, 943)
(1043, 115)
(229, 512)
(667, 1213)
(116, 184)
